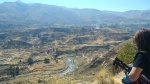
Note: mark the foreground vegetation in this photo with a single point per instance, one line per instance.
(127, 52)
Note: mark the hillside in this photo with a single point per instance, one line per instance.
(22, 14)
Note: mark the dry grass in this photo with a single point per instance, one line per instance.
(104, 76)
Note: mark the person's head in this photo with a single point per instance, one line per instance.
(142, 39)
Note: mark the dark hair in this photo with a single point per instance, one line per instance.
(142, 39)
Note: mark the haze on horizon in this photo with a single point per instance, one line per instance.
(109, 5)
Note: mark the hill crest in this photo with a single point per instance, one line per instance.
(22, 13)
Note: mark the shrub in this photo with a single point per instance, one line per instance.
(127, 53)
(30, 61)
(39, 81)
(46, 60)
(17, 70)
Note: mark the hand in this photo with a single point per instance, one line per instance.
(126, 80)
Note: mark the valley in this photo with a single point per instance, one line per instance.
(79, 47)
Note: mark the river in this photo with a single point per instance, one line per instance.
(70, 65)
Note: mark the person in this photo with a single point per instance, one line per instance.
(140, 62)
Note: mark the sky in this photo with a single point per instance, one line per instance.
(108, 5)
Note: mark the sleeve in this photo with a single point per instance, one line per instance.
(139, 61)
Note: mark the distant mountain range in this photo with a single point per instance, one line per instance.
(19, 13)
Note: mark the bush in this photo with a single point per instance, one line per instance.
(17, 70)
(13, 71)
(39, 81)
(46, 60)
(30, 61)
(127, 53)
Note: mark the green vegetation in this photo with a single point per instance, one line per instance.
(46, 60)
(17, 70)
(13, 71)
(30, 61)
(127, 53)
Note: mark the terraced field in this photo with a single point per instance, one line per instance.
(39, 44)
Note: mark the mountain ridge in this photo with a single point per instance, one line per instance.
(22, 13)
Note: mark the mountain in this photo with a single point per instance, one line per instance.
(19, 13)
(96, 16)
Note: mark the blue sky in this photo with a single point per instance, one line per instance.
(111, 5)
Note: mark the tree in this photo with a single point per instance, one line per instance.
(20, 61)
(56, 51)
(76, 51)
(127, 53)
(13, 72)
(46, 60)
(55, 58)
(39, 81)
(30, 61)
(17, 70)
(9, 70)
